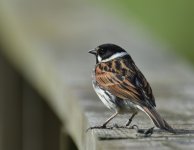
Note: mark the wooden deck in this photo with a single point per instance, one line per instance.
(48, 102)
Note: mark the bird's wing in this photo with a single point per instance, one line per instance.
(124, 80)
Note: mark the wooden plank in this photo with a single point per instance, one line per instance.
(125, 138)
(66, 142)
(33, 120)
(41, 127)
(51, 129)
(50, 50)
(10, 107)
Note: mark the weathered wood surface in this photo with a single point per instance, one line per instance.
(49, 44)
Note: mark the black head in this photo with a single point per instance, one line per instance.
(107, 52)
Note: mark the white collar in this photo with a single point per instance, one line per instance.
(117, 55)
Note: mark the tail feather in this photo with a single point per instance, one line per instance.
(157, 119)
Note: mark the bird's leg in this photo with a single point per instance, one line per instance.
(109, 119)
(131, 118)
(104, 124)
(128, 122)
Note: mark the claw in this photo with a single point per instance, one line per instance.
(135, 126)
(149, 132)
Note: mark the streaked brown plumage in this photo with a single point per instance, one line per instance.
(121, 85)
(126, 81)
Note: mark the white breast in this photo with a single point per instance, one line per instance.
(106, 97)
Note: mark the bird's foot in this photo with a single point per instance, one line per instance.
(99, 127)
(146, 133)
(123, 127)
(149, 132)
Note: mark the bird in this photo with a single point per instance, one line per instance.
(122, 87)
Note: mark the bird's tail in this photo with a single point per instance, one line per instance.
(157, 119)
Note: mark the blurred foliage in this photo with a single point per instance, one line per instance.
(170, 20)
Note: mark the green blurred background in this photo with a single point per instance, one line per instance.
(170, 21)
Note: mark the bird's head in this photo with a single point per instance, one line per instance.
(107, 52)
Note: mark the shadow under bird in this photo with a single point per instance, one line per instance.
(122, 87)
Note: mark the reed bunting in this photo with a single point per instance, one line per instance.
(122, 87)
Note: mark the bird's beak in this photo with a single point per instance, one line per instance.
(93, 51)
